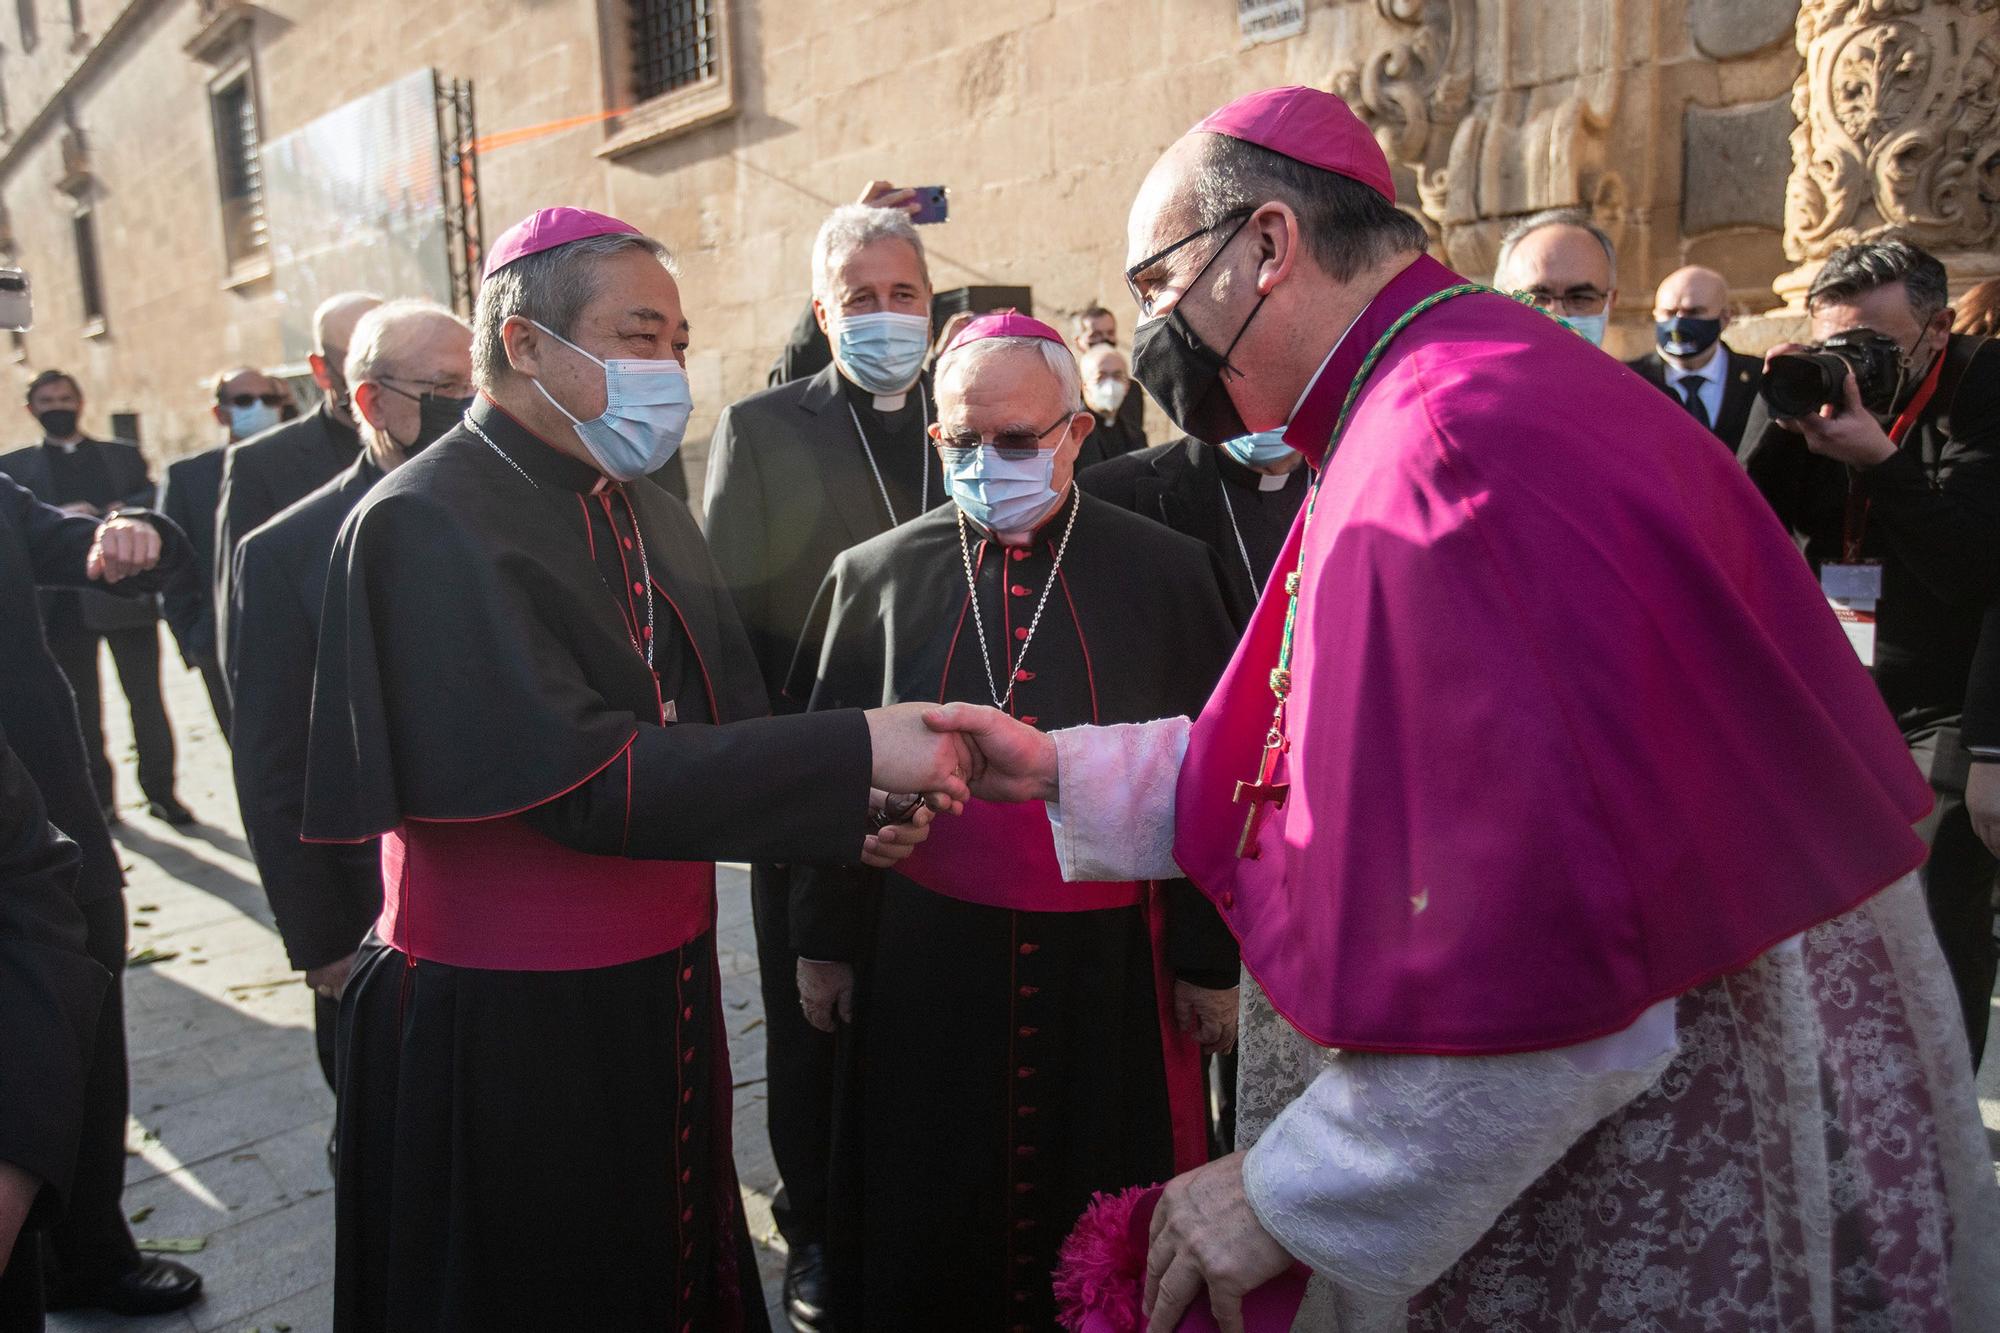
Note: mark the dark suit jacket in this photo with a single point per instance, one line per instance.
(40, 545)
(324, 895)
(1178, 484)
(189, 496)
(50, 990)
(1105, 442)
(788, 490)
(1739, 390)
(266, 473)
(128, 487)
(1933, 522)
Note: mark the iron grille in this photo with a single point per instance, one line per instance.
(240, 173)
(673, 45)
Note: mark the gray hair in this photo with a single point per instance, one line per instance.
(849, 228)
(1347, 226)
(1055, 355)
(550, 287)
(1866, 265)
(381, 334)
(333, 309)
(1557, 217)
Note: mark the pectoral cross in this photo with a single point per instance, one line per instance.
(1260, 793)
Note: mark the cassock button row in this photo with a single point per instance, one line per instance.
(1021, 633)
(687, 1056)
(687, 974)
(1020, 590)
(686, 1173)
(1024, 674)
(638, 586)
(1025, 1071)
(1027, 949)
(687, 1292)
(687, 1214)
(1026, 1031)
(1031, 721)
(628, 543)
(1019, 554)
(1029, 992)
(687, 1013)
(687, 1095)
(685, 1131)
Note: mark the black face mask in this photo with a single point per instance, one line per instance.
(1184, 374)
(1684, 335)
(58, 422)
(436, 415)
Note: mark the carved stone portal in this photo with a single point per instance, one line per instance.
(1898, 110)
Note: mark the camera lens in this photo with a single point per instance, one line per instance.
(1798, 383)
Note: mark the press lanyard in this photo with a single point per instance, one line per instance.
(1854, 529)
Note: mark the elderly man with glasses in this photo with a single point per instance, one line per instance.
(409, 368)
(1564, 264)
(1016, 1043)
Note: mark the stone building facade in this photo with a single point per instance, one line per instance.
(1749, 134)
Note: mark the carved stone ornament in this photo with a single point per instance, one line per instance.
(1898, 111)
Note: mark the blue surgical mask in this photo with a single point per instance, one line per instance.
(1590, 326)
(646, 410)
(1001, 494)
(252, 420)
(1259, 449)
(883, 353)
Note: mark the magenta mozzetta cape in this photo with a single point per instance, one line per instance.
(1573, 729)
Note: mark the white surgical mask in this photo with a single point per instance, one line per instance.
(882, 352)
(1591, 326)
(1106, 394)
(646, 410)
(254, 419)
(1001, 494)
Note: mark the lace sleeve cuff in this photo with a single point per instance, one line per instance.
(1389, 1167)
(1115, 820)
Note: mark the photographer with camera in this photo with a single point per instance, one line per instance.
(1879, 447)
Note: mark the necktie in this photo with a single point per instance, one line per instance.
(1691, 395)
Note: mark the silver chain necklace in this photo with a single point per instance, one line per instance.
(1000, 701)
(923, 415)
(645, 568)
(1229, 507)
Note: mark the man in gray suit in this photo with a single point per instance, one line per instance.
(797, 474)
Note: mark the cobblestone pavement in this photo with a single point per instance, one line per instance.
(230, 1115)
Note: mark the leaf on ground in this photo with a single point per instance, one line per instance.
(142, 925)
(142, 1214)
(147, 907)
(197, 962)
(150, 955)
(172, 1244)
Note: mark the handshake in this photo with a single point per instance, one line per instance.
(944, 755)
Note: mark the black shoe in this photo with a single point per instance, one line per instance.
(805, 1287)
(151, 1286)
(170, 811)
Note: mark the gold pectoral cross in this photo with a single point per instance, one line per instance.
(1261, 793)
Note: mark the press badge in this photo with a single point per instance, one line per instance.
(1853, 592)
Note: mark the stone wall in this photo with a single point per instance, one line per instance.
(1669, 119)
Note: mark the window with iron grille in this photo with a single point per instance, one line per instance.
(239, 174)
(673, 45)
(84, 228)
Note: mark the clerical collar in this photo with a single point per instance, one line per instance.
(545, 464)
(883, 404)
(1246, 478)
(1318, 410)
(341, 430)
(62, 446)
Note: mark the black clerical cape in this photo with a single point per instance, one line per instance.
(1004, 1063)
(535, 1088)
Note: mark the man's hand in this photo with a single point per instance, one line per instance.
(826, 993)
(1209, 1016)
(1204, 1234)
(1009, 760)
(1845, 431)
(17, 1195)
(81, 508)
(881, 194)
(1982, 802)
(910, 756)
(895, 840)
(331, 980)
(123, 547)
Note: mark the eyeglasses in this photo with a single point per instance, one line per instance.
(444, 388)
(1144, 301)
(1012, 445)
(245, 399)
(1575, 301)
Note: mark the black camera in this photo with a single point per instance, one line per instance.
(1798, 383)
